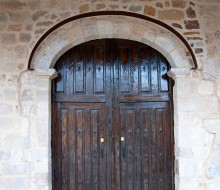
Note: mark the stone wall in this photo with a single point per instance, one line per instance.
(25, 95)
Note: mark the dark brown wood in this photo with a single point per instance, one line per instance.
(112, 118)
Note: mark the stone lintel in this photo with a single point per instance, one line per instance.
(179, 72)
(46, 73)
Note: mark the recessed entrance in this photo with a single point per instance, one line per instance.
(112, 118)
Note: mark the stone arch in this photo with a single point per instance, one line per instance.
(73, 32)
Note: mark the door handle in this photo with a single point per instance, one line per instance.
(102, 148)
(123, 148)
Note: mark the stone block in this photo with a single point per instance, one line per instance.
(104, 27)
(216, 144)
(8, 38)
(214, 159)
(27, 95)
(40, 167)
(135, 8)
(187, 167)
(10, 95)
(172, 14)
(192, 24)
(38, 155)
(38, 15)
(212, 125)
(189, 120)
(149, 10)
(24, 37)
(14, 141)
(192, 104)
(5, 109)
(213, 172)
(15, 27)
(20, 17)
(5, 155)
(13, 183)
(213, 185)
(3, 17)
(179, 4)
(206, 88)
(192, 136)
(41, 178)
(15, 169)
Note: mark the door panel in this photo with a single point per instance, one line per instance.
(112, 118)
(144, 130)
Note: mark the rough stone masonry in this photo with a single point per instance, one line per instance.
(25, 151)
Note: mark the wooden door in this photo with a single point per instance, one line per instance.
(112, 118)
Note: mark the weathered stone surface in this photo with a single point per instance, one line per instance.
(198, 50)
(5, 155)
(14, 183)
(176, 25)
(15, 169)
(212, 125)
(100, 6)
(20, 16)
(38, 15)
(171, 14)
(47, 23)
(148, 10)
(190, 13)
(41, 178)
(12, 5)
(213, 171)
(179, 4)
(9, 94)
(84, 8)
(159, 5)
(40, 31)
(216, 144)
(192, 24)
(5, 109)
(8, 38)
(27, 95)
(24, 37)
(135, 8)
(15, 27)
(206, 87)
(3, 17)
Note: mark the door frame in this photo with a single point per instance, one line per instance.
(41, 70)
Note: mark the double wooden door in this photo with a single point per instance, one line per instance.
(112, 118)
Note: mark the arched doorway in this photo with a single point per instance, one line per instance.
(112, 118)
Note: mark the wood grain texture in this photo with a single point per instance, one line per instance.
(112, 118)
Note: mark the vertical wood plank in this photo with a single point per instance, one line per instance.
(153, 147)
(124, 65)
(79, 82)
(144, 69)
(154, 71)
(99, 70)
(123, 150)
(69, 73)
(146, 148)
(95, 154)
(130, 148)
(89, 61)
(72, 149)
(87, 149)
(160, 149)
(137, 150)
(79, 127)
(59, 81)
(65, 177)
